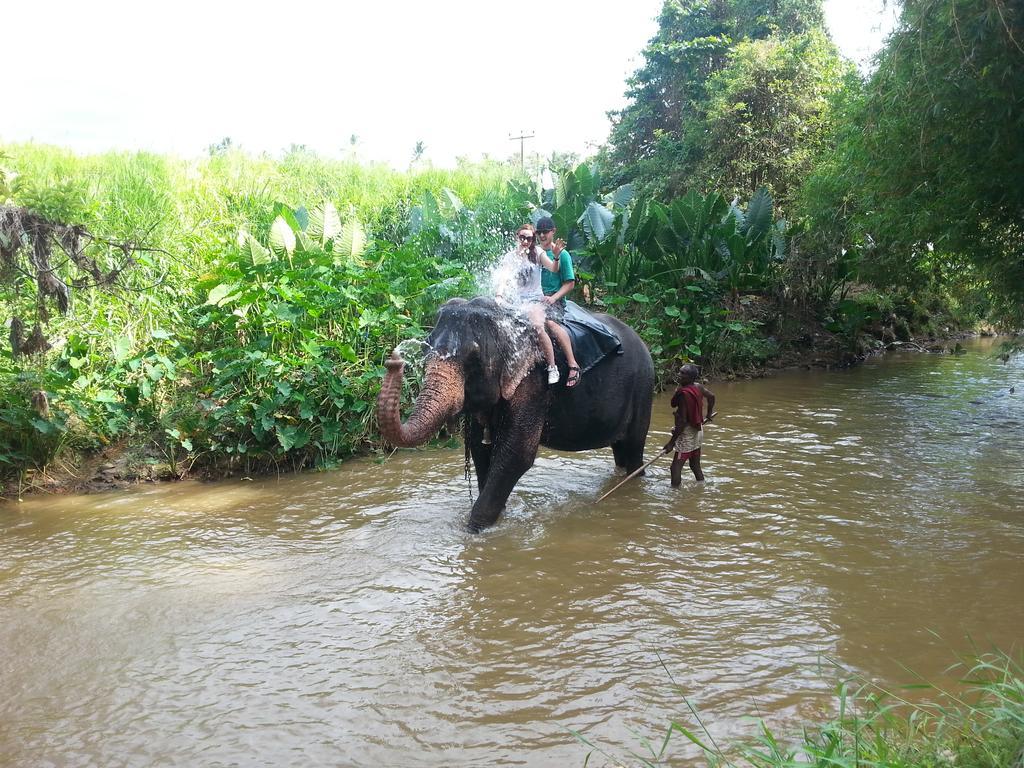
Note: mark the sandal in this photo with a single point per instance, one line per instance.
(573, 378)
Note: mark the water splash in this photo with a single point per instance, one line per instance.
(412, 350)
(414, 353)
(504, 278)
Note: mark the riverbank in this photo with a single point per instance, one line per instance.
(140, 459)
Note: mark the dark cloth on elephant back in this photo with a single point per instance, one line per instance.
(592, 340)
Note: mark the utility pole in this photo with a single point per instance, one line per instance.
(521, 138)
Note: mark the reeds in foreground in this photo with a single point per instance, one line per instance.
(979, 726)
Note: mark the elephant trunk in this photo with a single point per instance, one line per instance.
(441, 398)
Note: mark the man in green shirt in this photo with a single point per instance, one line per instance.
(556, 286)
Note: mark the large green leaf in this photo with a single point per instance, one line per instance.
(282, 237)
(736, 213)
(576, 241)
(714, 208)
(584, 179)
(256, 251)
(220, 294)
(431, 210)
(646, 227)
(292, 437)
(561, 190)
(351, 243)
(685, 216)
(252, 248)
(779, 240)
(324, 222)
(597, 221)
(453, 200)
(122, 347)
(620, 197)
(759, 215)
(416, 220)
(549, 197)
(297, 220)
(565, 219)
(737, 248)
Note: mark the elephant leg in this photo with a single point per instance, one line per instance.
(629, 451)
(514, 451)
(629, 454)
(619, 452)
(480, 453)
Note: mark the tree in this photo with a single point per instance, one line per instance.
(42, 261)
(221, 147)
(769, 114)
(929, 172)
(657, 140)
(417, 153)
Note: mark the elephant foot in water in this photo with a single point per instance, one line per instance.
(479, 524)
(629, 454)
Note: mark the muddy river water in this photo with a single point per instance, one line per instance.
(870, 518)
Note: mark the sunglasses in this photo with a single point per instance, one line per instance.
(526, 238)
(545, 231)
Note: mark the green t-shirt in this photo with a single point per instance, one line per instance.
(550, 282)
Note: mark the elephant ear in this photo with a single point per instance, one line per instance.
(524, 355)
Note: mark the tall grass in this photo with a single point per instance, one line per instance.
(979, 724)
(154, 360)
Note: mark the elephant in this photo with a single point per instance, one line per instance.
(484, 365)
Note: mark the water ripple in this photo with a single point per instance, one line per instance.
(349, 618)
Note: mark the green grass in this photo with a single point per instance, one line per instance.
(284, 375)
(977, 724)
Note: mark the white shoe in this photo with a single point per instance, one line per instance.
(553, 374)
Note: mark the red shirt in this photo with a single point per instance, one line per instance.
(689, 404)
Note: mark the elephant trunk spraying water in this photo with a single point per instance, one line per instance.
(483, 365)
(440, 400)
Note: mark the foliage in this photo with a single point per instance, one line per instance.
(980, 728)
(768, 115)
(704, 237)
(588, 220)
(704, 74)
(42, 260)
(445, 228)
(927, 173)
(622, 239)
(666, 267)
(292, 336)
(688, 324)
(321, 297)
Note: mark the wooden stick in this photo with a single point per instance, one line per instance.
(633, 474)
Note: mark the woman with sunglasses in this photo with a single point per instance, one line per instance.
(530, 260)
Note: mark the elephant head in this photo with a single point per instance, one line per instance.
(479, 354)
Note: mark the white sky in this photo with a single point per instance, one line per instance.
(460, 75)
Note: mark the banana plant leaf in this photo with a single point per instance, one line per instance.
(324, 222)
(597, 221)
(759, 215)
(620, 197)
(584, 181)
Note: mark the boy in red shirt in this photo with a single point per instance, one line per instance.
(687, 435)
